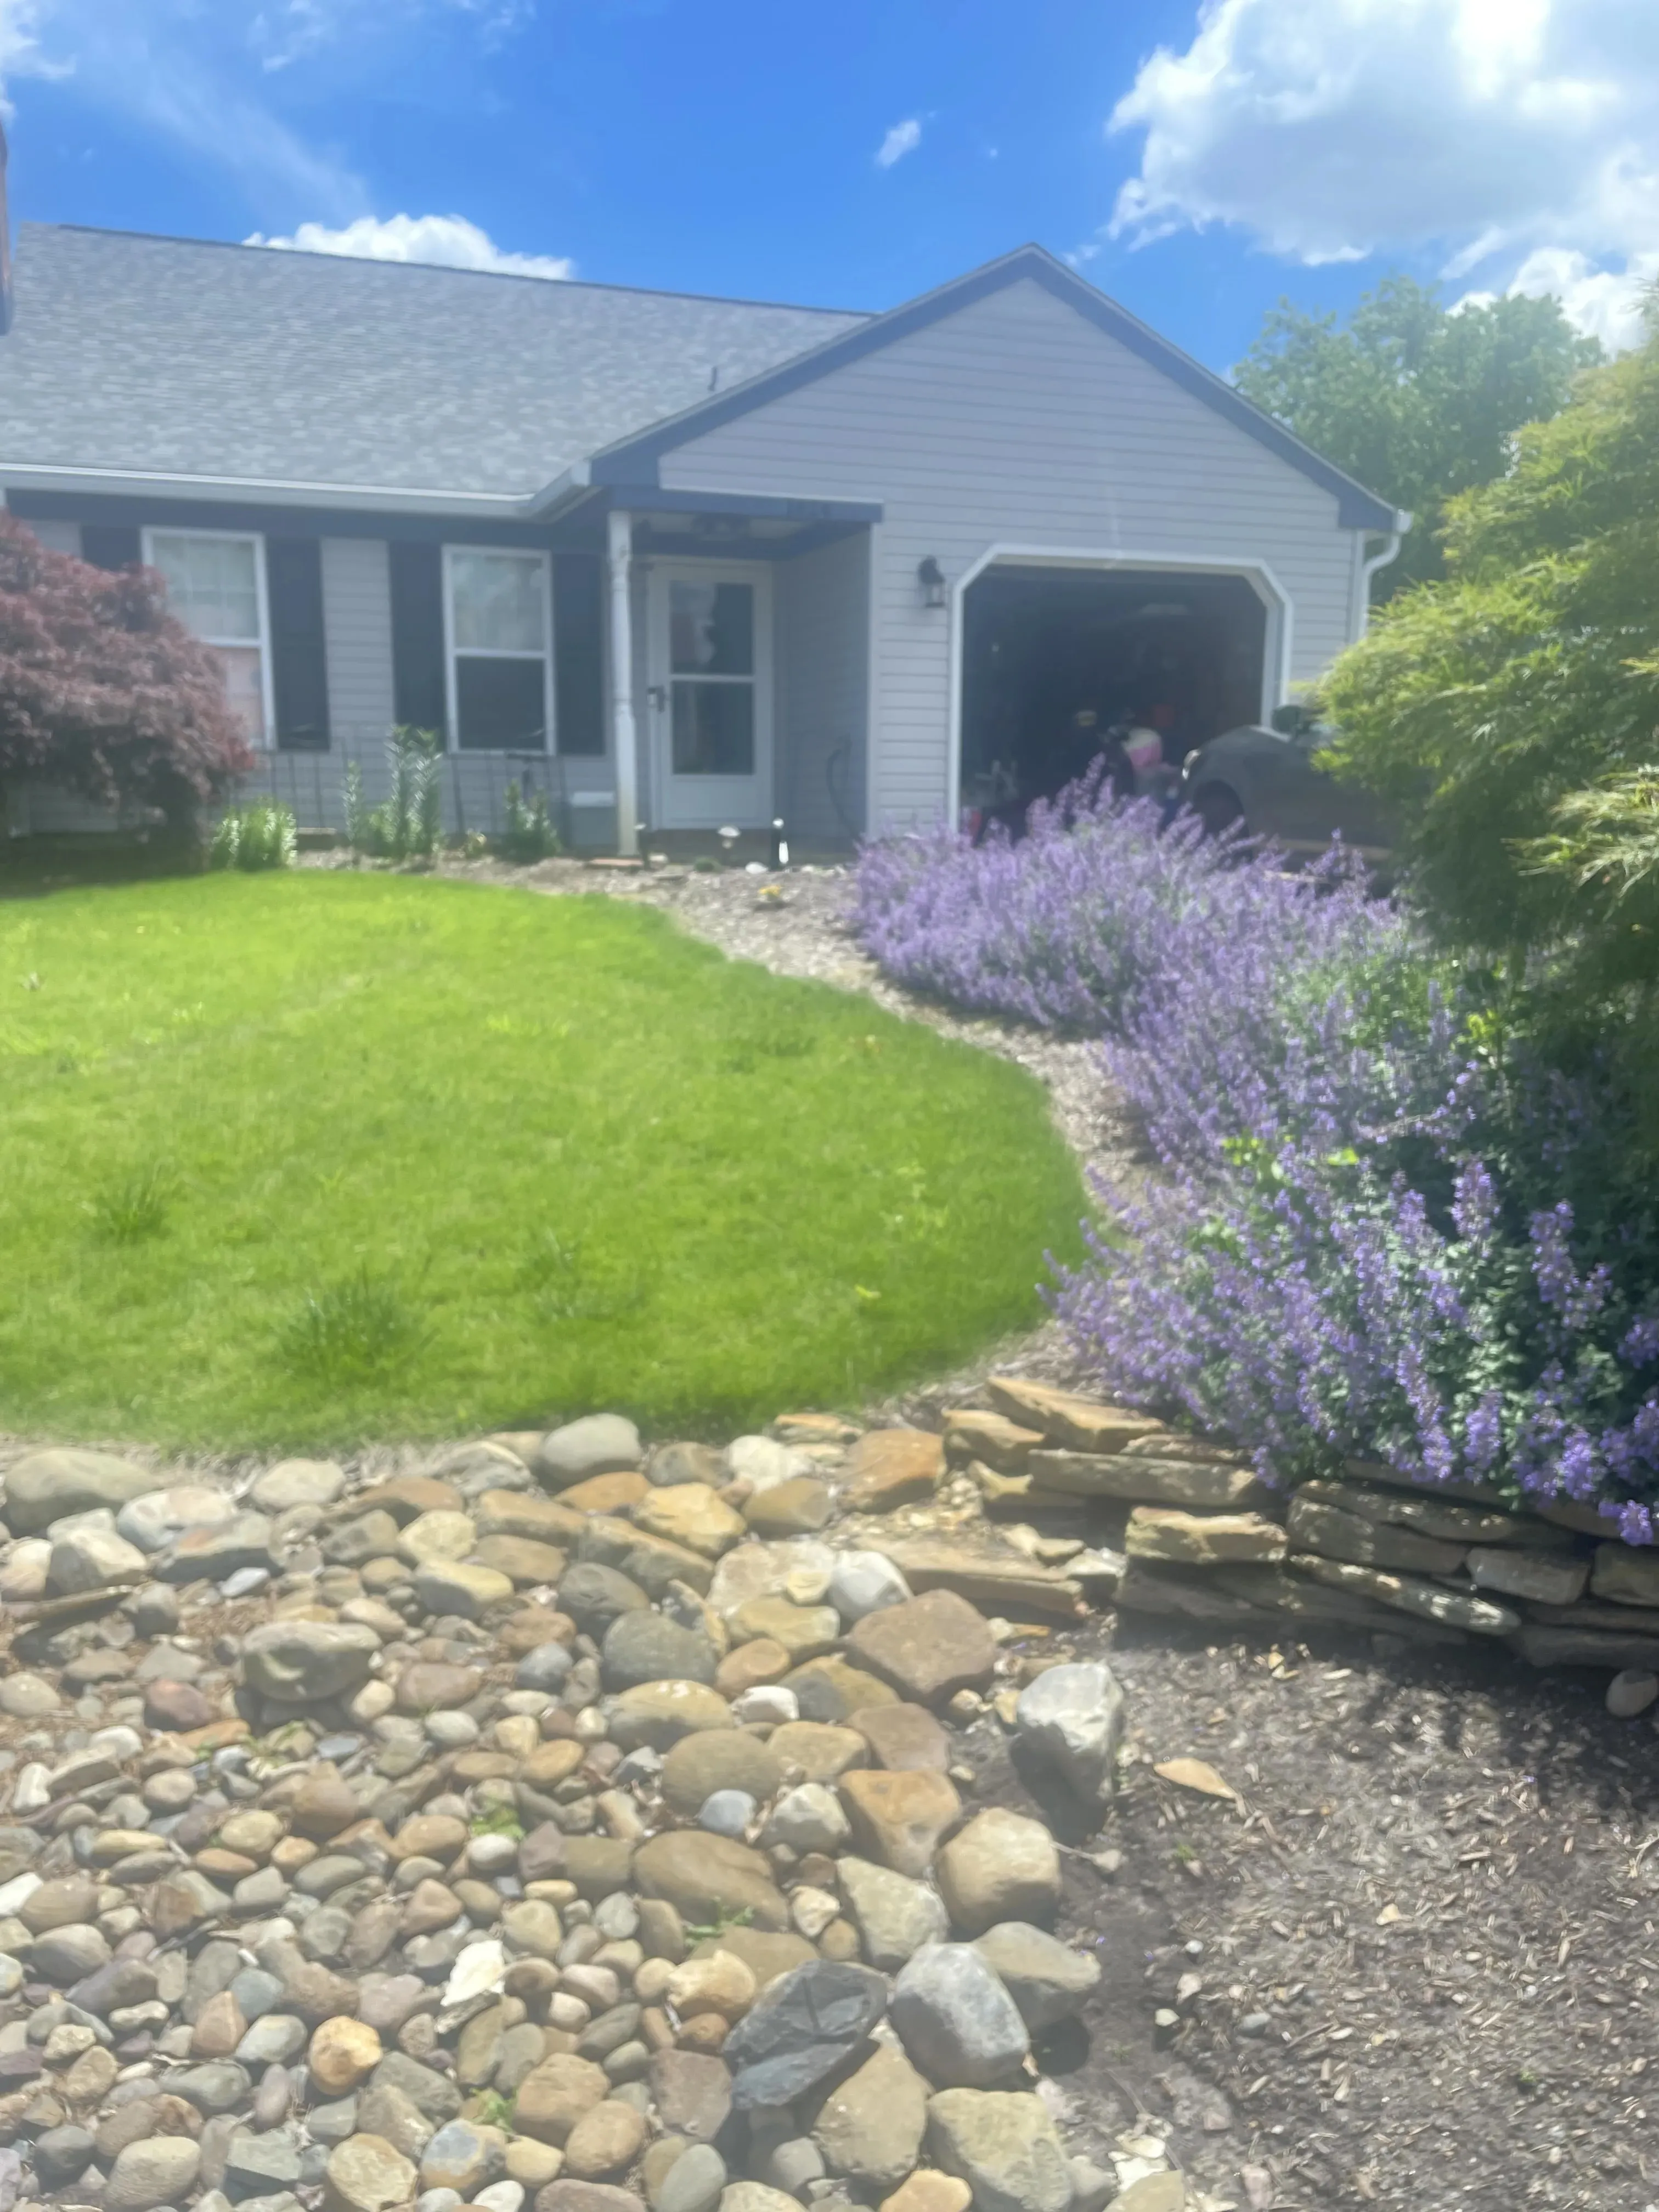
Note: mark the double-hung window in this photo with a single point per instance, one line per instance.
(215, 583)
(499, 612)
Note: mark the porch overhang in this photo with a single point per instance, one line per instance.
(721, 525)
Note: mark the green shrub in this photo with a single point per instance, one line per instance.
(262, 835)
(529, 835)
(1510, 712)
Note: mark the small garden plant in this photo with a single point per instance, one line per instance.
(408, 823)
(262, 836)
(529, 835)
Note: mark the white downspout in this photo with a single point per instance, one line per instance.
(623, 739)
(1362, 613)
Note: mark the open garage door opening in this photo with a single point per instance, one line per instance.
(1058, 664)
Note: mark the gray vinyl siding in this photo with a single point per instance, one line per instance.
(1016, 422)
(822, 613)
(357, 635)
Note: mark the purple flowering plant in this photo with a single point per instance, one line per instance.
(1380, 1224)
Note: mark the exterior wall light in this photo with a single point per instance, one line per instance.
(930, 577)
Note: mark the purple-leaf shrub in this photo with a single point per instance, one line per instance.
(1360, 1244)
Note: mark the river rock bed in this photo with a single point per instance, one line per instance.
(580, 1826)
(563, 1825)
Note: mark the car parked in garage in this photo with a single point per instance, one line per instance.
(1266, 778)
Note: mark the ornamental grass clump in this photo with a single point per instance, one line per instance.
(1382, 1226)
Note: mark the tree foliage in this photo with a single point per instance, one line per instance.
(103, 692)
(1511, 712)
(1416, 401)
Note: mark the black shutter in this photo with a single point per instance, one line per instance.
(299, 659)
(418, 636)
(579, 652)
(109, 544)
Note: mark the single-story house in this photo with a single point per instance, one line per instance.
(683, 562)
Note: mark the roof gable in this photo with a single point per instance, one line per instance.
(633, 459)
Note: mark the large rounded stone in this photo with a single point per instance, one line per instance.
(869, 2126)
(155, 2170)
(553, 2096)
(898, 1818)
(436, 1536)
(465, 2158)
(709, 1878)
(693, 2182)
(692, 2093)
(297, 1482)
(797, 1507)
(820, 1750)
(1046, 1978)
(302, 1661)
(955, 2020)
(1005, 2147)
(342, 2052)
(45, 1486)
(693, 1515)
(805, 1630)
(65, 1901)
(1001, 1866)
(598, 1443)
(91, 1559)
(890, 1468)
(927, 1648)
(718, 1759)
(159, 1517)
(451, 1586)
(657, 1715)
(895, 1914)
(604, 2141)
(647, 1647)
(433, 1686)
(594, 1595)
(365, 2173)
(1070, 1718)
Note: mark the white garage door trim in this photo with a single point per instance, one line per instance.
(1276, 647)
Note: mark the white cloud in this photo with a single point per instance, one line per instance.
(449, 242)
(903, 138)
(197, 73)
(1515, 139)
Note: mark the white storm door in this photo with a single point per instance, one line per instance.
(711, 694)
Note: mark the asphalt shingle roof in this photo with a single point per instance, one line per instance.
(189, 358)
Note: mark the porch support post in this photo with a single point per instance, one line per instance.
(624, 735)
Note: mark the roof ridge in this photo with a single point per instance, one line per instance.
(448, 268)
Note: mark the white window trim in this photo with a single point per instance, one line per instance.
(147, 537)
(452, 652)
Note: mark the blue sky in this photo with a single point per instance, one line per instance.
(1196, 166)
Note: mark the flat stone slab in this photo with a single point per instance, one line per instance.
(1083, 1425)
(927, 1648)
(1451, 1608)
(1166, 1533)
(1141, 1480)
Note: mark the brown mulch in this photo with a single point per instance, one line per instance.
(1423, 1944)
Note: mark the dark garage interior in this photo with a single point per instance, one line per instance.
(1053, 658)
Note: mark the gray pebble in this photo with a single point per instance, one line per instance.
(727, 1813)
(694, 2182)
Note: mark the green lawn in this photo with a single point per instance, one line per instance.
(295, 1160)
